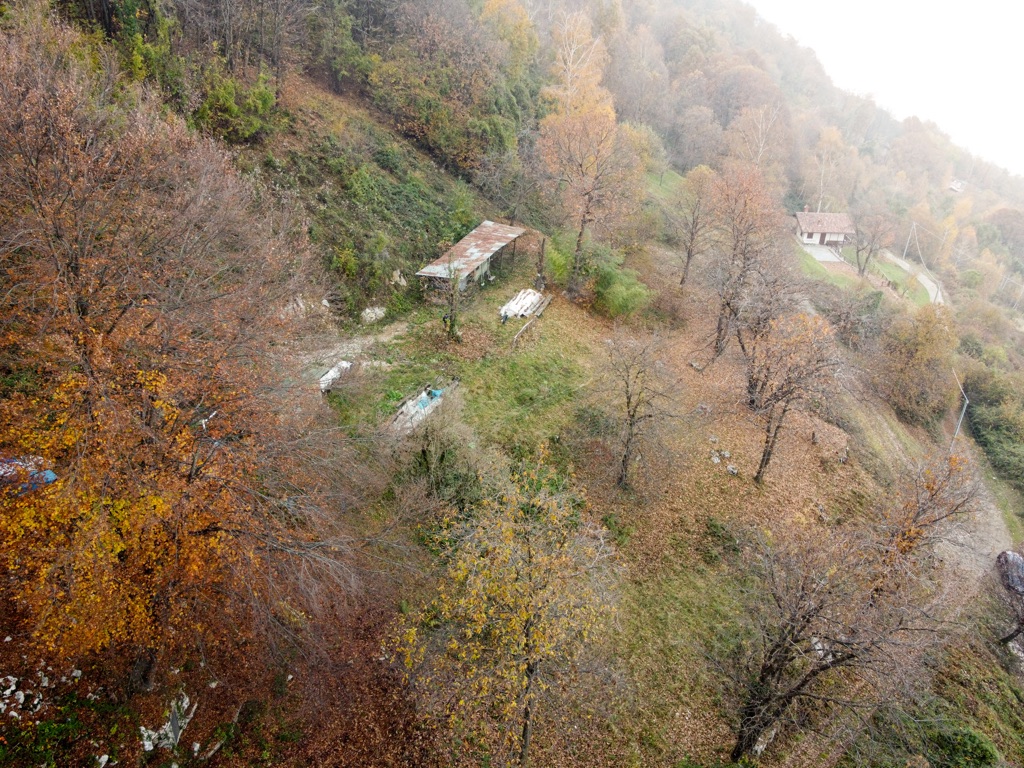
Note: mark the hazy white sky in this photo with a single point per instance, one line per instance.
(958, 64)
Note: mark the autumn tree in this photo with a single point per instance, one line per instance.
(595, 169)
(916, 362)
(243, 32)
(638, 76)
(789, 364)
(594, 166)
(874, 232)
(511, 179)
(580, 58)
(748, 231)
(691, 216)
(827, 168)
(524, 588)
(931, 494)
(139, 307)
(759, 137)
(636, 386)
(511, 23)
(841, 618)
(695, 138)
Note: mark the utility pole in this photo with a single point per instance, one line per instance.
(913, 229)
(963, 411)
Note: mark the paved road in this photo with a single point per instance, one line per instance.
(934, 291)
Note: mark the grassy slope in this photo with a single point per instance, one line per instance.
(676, 528)
(375, 203)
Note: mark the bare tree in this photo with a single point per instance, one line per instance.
(813, 621)
(793, 362)
(838, 620)
(639, 393)
(691, 216)
(874, 233)
(747, 233)
(771, 293)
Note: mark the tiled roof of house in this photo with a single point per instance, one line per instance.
(839, 223)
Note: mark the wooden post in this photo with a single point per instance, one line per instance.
(540, 283)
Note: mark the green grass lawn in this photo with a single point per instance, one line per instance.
(902, 278)
(513, 396)
(661, 186)
(815, 270)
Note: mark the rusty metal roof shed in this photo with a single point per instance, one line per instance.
(471, 251)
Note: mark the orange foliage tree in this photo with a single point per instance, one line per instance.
(747, 234)
(138, 309)
(791, 364)
(595, 169)
(594, 164)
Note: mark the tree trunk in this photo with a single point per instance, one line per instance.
(627, 458)
(524, 749)
(752, 725)
(771, 436)
(686, 269)
(577, 261)
(722, 330)
(1013, 635)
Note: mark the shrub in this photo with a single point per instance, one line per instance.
(619, 291)
(558, 261)
(1000, 430)
(916, 364)
(233, 112)
(962, 748)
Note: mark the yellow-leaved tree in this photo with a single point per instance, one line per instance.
(594, 165)
(527, 582)
(139, 307)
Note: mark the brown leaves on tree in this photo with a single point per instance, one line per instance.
(843, 619)
(138, 313)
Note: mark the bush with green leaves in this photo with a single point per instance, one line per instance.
(237, 113)
(996, 414)
(618, 291)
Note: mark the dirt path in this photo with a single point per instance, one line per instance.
(352, 348)
(973, 546)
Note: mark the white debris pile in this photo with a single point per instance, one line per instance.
(329, 379)
(24, 697)
(527, 302)
(167, 736)
(372, 315)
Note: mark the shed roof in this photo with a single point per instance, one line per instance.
(472, 250)
(839, 223)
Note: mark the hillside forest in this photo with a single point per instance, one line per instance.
(718, 494)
